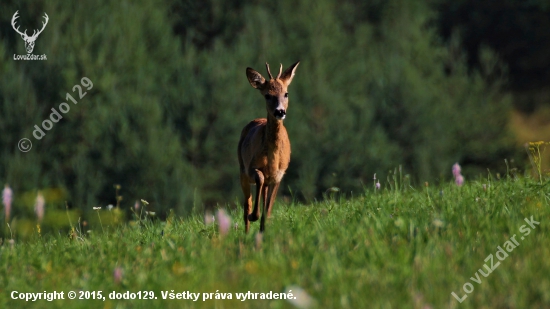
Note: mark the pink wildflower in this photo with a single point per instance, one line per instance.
(456, 170)
(378, 185)
(459, 180)
(117, 275)
(39, 207)
(259, 237)
(224, 221)
(7, 197)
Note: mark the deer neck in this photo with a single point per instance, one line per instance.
(273, 132)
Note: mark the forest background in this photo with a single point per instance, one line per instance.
(382, 87)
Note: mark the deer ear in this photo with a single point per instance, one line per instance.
(288, 74)
(255, 79)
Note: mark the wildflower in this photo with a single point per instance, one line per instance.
(117, 275)
(96, 208)
(459, 180)
(300, 298)
(224, 221)
(208, 218)
(456, 170)
(144, 202)
(150, 213)
(377, 185)
(258, 239)
(374, 176)
(136, 205)
(438, 223)
(7, 196)
(39, 207)
(109, 207)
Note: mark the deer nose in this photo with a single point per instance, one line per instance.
(280, 113)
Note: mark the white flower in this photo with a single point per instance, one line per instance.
(209, 218)
(301, 298)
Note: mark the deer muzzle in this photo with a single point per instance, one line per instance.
(280, 114)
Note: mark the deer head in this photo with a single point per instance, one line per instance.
(29, 40)
(274, 90)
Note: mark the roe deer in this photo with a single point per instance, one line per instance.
(264, 148)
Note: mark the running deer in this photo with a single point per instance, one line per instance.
(264, 147)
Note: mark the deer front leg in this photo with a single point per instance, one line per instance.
(259, 179)
(247, 204)
(272, 199)
(271, 193)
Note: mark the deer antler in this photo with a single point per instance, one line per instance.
(280, 71)
(17, 29)
(268, 71)
(43, 26)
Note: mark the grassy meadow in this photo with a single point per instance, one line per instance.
(397, 247)
(165, 98)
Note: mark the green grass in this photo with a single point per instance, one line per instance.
(393, 248)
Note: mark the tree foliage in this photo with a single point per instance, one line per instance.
(519, 31)
(376, 88)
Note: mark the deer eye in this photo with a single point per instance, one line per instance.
(286, 95)
(267, 96)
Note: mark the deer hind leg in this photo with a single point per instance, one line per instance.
(247, 204)
(264, 197)
(259, 179)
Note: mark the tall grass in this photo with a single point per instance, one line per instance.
(397, 247)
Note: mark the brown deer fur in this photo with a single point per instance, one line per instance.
(264, 147)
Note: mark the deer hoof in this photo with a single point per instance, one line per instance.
(253, 217)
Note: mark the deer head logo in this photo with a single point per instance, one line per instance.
(29, 40)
